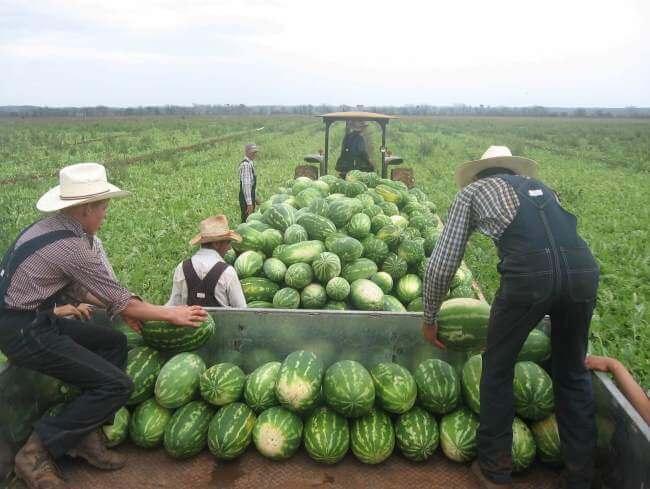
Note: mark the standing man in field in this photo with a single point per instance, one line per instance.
(54, 253)
(206, 279)
(247, 182)
(546, 268)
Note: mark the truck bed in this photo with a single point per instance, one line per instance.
(155, 469)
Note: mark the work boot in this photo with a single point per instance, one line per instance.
(484, 481)
(93, 449)
(34, 466)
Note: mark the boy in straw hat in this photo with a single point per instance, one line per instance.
(52, 254)
(206, 279)
(546, 268)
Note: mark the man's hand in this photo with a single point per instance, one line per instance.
(601, 364)
(134, 324)
(188, 316)
(430, 333)
(250, 209)
(82, 311)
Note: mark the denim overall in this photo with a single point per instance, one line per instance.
(545, 268)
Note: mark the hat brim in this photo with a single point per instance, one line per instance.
(466, 173)
(212, 238)
(51, 201)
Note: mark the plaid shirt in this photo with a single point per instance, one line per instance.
(247, 177)
(70, 262)
(489, 205)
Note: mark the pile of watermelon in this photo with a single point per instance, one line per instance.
(360, 243)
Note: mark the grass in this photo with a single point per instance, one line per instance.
(600, 168)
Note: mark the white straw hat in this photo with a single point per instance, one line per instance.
(79, 184)
(213, 229)
(495, 157)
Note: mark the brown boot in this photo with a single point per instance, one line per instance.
(93, 449)
(484, 481)
(35, 466)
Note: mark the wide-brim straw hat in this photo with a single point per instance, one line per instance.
(213, 229)
(495, 157)
(79, 184)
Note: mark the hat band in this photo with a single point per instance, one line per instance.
(77, 197)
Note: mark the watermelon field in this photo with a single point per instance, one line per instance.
(182, 170)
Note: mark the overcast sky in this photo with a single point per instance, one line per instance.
(499, 52)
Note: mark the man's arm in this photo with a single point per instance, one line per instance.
(179, 315)
(229, 282)
(176, 297)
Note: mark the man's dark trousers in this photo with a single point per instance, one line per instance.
(82, 354)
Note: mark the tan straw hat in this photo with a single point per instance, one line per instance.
(79, 184)
(495, 157)
(213, 229)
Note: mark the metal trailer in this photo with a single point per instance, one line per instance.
(624, 439)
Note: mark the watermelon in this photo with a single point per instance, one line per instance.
(374, 249)
(338, 289)
(259, 391)
(143, 366)
(326, 266)
(326, 436)
(118, 430)
(230, 256)
(175, 339)
(438, 386)
(372, 437)
(471, 376)
(222, 384)
(372, 212)
(462, 324)
(257, 225)
(461, 291)
(359, 226)
(272, 239)
(252, 239)
(248, 264)
(313, 297)
(178, 380)
(392, 304)
(322, 186)
(462, 277)
(133, 338)
(366, 295)
(300, 184)
(533, 391)
(342, 210)
(298, 275)
(336, 305)
(355, 188)
(259, 289)
(230, 431)
(295, 234)
(317, 227)
(303, 252)
(421, 270)
(409, 287)
(299, 381)
(389, 209)
(401, 222)
(274, 269)
(286, 298)
(394, 266)
(523, 446)
(547, 440)
(390, 194)
(383, 280)
(278, 198)
(378, 221)
(537, 347)
(458, 435)
(395, 387)
(307, 196)
(346, 248)
(277, 433)
(186, 431)
(411, 250)
(411, 234)
(361, 268)
(148, 423)
(415, 305)
(319, 206)
(259, 305)
(416, 432)
(348, 389)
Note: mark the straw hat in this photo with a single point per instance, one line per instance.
(495, 157)
(213, 229)
(79, 184)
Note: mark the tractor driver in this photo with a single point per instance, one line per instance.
(354, 150)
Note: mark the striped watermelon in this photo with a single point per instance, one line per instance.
(313, 297)
(230, 431)
(537, 347)
(462, 324)
(252, 239)
(547, 440)
(133, 338)
(299, 381)
(248, 264)
(366, 295)
(302, 252)
(326, 436)
(148, 423)
(471, 376)
(286, 298)
(378, 219)
(391, 235)
(358, 269)
(336, 305)
(319, 206)
(533, 390)
(299, 275)
(393, 304)
(274, 269)
(342, 210)
(186, 431)
(462, 291)
(458, 435)
(348, 389)
(394, 386)
(416, 432)
(394, 266)
(259, 391)
(295, 234)
(260, 305)
(143, 366)
(307, 196)
(438, 386)
(317, 227)
(383, 280)
(277, 433)
(178, 380)
(259, 289)
(415, 305)
(411, 250)
(175, 339)
(280, 216)
(326, 266)
(409, 287)
(117, 431)
(338, 289)
(523, 446)
(346, 248)
(359, 226)
(222, 384)
(372, 437)
(374, 249)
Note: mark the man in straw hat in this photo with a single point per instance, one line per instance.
(248, 182)
(354, 150)
(46, 257)
(546, 268)
(206, 279)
